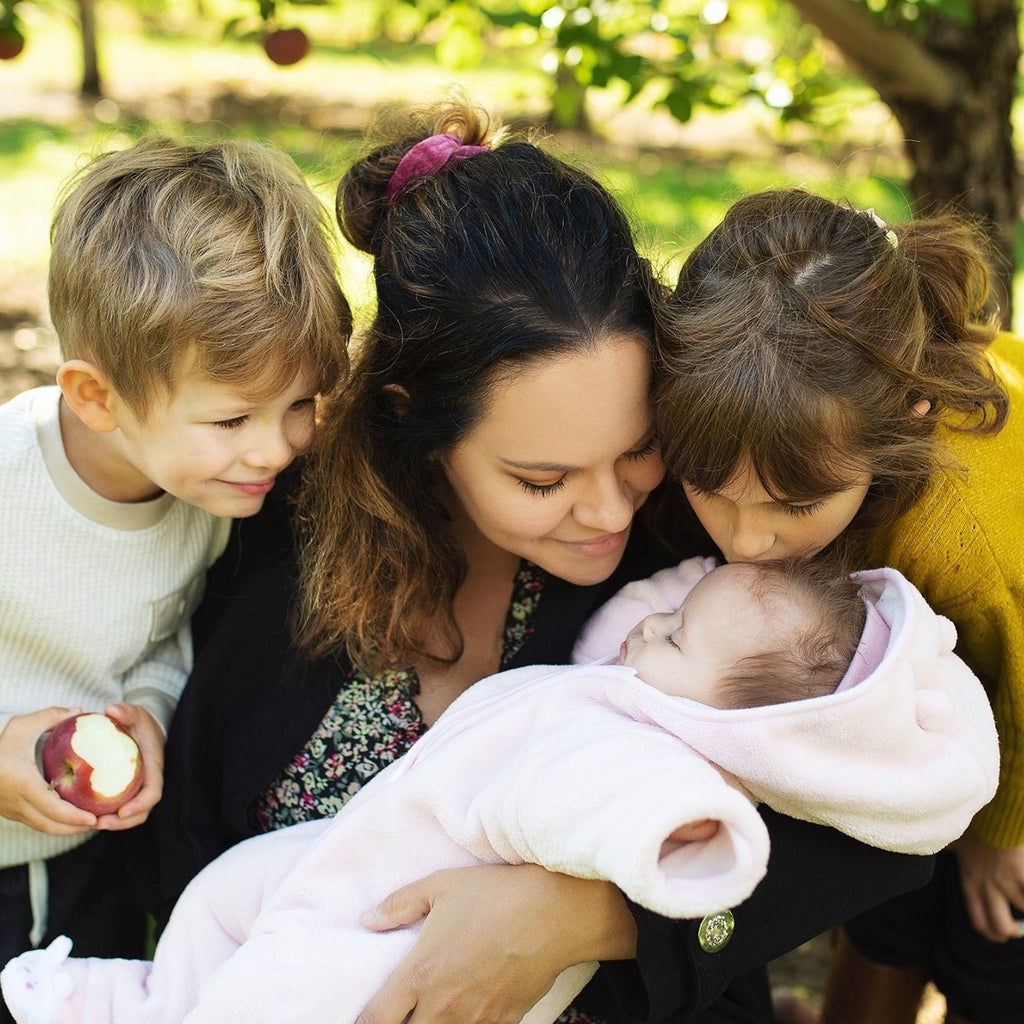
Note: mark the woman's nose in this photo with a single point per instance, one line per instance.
(606, 505)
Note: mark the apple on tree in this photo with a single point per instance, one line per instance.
(286, 46)
(92, 762)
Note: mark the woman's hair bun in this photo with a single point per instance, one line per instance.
(361, 205)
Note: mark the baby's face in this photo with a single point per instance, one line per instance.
(686, 652)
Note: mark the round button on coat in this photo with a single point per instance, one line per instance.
(715, 931)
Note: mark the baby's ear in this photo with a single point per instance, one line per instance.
(88, 392)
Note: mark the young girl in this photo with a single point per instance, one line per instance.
(829, 379)
(470, 500)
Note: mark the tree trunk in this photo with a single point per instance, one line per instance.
(963, 153)
(92, 85)
(950, 84)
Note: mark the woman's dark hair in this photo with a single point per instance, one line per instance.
(492, 263)
(807, 337)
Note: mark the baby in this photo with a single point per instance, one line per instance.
(597, 770)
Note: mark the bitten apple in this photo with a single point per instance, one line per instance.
(93, 763)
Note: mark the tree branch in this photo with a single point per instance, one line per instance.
(889, 60)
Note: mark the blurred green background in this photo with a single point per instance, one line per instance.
(166, 68)
(197, 67)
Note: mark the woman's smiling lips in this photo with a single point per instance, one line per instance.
(600, 546)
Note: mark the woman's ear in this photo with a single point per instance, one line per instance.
(398, 399)
(88, 392)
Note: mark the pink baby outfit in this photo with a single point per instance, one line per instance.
(584, 770)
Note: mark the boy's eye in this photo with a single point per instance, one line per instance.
(231, 424)
(542, 489)
(670, 640)
(304, 403)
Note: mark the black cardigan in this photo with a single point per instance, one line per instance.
(252, 702)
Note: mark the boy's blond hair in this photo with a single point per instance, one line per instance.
(217, 252)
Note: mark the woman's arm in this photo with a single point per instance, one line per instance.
(493, 940)
(817, 877)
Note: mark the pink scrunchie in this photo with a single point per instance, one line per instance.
(426, 158)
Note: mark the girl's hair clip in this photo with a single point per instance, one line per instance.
(890, 235)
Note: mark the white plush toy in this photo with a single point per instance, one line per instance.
(34, 984)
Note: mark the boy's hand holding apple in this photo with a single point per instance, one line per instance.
(149, 735)
(109, 764)
(24, 794)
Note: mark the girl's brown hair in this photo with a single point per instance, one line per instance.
(491, 263)
(802, 334)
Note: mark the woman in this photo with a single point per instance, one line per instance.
(830, 379)
(472, 498)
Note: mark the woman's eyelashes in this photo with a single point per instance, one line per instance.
(649, 447)
(542, 489)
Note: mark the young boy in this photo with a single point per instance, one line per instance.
(596, 770)
(194, 294)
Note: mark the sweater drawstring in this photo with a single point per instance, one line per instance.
(39, 900)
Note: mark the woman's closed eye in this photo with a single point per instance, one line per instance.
(648, 448)
(542, 489)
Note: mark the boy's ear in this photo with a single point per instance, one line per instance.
(89, 394)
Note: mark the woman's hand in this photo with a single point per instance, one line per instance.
(493, 940)
(993, 885)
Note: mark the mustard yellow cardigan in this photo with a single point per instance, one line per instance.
(962, 545)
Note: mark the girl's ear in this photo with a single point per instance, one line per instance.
(920, 409)
(88, 392)
(398, 399)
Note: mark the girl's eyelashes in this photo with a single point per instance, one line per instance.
(803, 510)
(235, 421)
(542, 489)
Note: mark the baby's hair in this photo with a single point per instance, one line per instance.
(811, 661)
(218, 251)
(488, 265)
(806, 337)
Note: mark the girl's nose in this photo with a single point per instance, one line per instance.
(752, 538)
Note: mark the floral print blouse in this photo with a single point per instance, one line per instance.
(372, 722)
